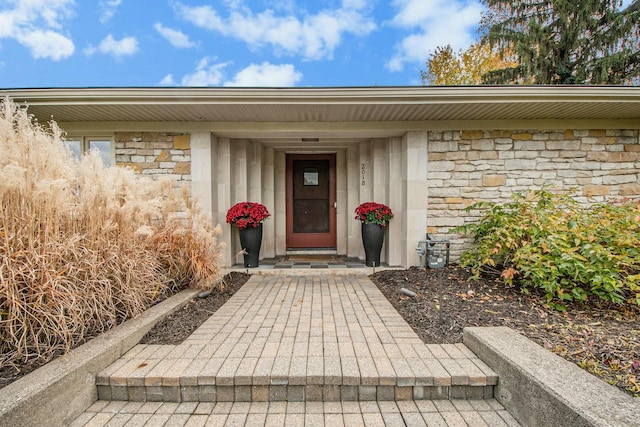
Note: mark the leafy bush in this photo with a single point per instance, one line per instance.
(83, 247)
(550, 241)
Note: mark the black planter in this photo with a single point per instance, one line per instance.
(372, 239)
(251, 240)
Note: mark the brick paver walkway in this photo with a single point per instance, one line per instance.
(296, 350)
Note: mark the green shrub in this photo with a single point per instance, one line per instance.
(549, 241)
(83, 247)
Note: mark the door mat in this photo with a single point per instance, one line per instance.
(314, 258)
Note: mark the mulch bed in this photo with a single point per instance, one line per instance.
(604, 340)
(176, 327)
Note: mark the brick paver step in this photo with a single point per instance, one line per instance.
(300, 338)
(476, 413)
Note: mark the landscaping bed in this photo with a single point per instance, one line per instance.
(604, 340)
(177, 326)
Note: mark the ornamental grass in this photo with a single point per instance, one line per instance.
(84, 247)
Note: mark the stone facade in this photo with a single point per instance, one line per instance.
(165, 155)
(469, 166)
(457, 168)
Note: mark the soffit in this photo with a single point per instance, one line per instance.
(329, 105)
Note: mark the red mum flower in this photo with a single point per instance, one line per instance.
(247, 214)
(372, 212)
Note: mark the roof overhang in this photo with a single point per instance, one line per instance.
(365, 111)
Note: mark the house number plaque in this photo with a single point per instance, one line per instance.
(363, 172)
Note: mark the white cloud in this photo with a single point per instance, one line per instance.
(284, 5)
(433, 23)
(38, 25)
(206, 74)
(108, 9)
(210, 73)
(312, 36)
(126, 46)
(47, 44)
(176, 37)
(266, 74)
(167, 81)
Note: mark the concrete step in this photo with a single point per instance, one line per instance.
(192, 372)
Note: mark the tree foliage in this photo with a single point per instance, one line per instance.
(565, 41)
(446, 67)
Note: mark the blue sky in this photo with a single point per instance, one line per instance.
(105, 43)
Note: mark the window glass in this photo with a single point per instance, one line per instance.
(75, 146)
(104, 148)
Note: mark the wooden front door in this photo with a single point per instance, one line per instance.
(311, 197)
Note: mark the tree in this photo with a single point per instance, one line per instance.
(565, 41)
(446, 67)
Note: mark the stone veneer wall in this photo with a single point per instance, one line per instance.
(469, 166)
(165, 155)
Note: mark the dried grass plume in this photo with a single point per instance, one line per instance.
(82, 246)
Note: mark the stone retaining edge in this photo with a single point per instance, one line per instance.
(58, 392)
(539, 388)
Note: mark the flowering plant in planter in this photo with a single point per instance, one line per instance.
(374, 213)
(247, 214)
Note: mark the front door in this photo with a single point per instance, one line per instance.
(311, 197)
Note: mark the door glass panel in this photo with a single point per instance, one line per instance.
(311, 196)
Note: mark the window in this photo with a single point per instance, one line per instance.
(104, 145)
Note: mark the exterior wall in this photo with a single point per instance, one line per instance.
(155, 154)
(427, 178)
(469, 166)
(225, 171)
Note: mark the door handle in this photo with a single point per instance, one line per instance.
(335, 205)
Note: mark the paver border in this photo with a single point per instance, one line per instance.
(539, 388)
(58, 392)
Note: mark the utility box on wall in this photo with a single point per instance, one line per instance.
(435, 251)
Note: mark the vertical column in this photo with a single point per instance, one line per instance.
(239, 189)
(343, 212)
(240, 178)
(379, 170)
(396, 201)
(415, 158)
(354, 182)
(203, 158)
(254, 172)
(366, 173)
(280, 202)
(223, 178)
(268, 199)
(378, 175)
